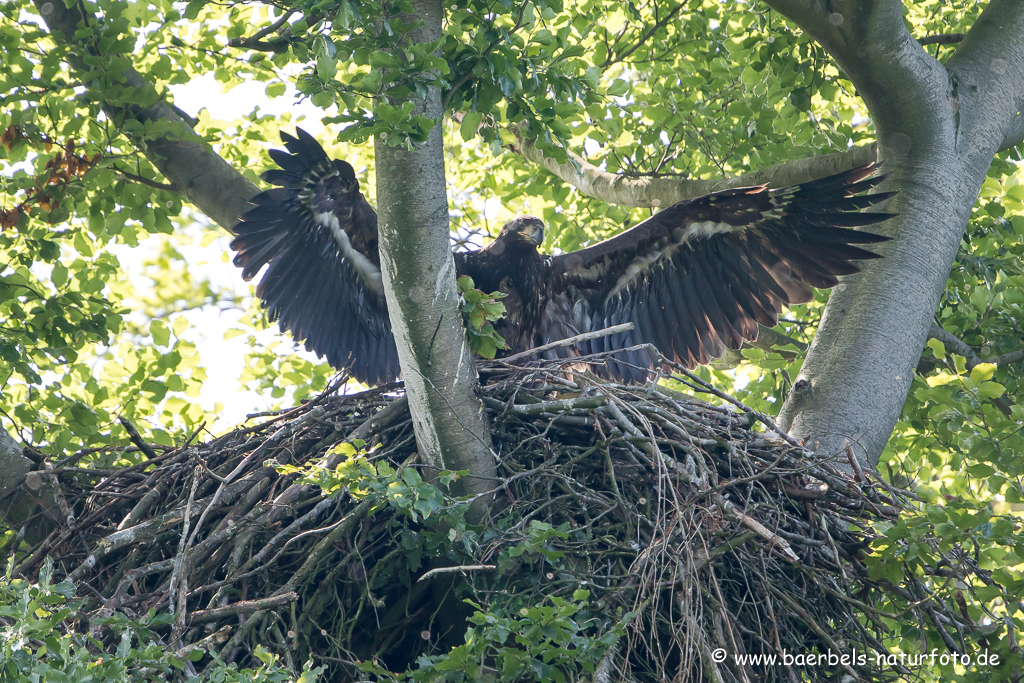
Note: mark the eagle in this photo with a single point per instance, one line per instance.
(694, 279)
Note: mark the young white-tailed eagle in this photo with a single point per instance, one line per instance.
(694, 279)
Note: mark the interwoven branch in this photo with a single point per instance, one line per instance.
(692, 531)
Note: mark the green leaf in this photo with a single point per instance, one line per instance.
(59, 275)
(193, 7)
(468, 128)
(179, 325)
(982, 372)
(960, 363)
(980, 470)
(991, 390)
(618, 88)
(161, 335)
(326, 67)
(322, 99)
(381, 59)
(1016, 192)
(485, 347)
(371, 82)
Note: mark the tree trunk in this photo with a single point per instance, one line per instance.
(654, 192)
(939, 127)
(13, 465)
(419, 279)
(439, 372)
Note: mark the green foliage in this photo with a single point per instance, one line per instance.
(559, 641)
(518, 635)
(479, 310)
(401, 488)
(39, 642)
(646, 89)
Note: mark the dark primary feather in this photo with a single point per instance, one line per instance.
(697, 277)
(319, 236)
(694, 279)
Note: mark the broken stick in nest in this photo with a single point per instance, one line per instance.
(691, 531)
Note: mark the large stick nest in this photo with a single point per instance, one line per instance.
(696, 529)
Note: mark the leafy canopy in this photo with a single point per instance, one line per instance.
(645, 89)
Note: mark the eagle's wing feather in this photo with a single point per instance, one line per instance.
(699, 276)
(323, 283)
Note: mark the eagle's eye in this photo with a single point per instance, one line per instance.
(528, 226)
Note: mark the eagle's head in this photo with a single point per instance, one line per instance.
(529, 227)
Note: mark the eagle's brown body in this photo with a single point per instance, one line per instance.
(694, 279)
(511, 264)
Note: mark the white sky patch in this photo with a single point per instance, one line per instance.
(740, 381)
(222, 358)
(492, 208)
(205, 92)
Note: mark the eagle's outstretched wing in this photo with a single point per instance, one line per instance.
(699, 276)
(323, 284)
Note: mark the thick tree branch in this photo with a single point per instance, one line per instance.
(941, 39)
(811, 15)
(769, 339)
(1015, 129)
(204, 616)
(1007, 358)
(993, 70)
(254, 41)
(654, 192)
(955, 345)
(186, 160)
(938, 129)
(23, 504)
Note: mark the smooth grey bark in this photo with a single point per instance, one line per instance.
(22, 506)
(939, 127)
(654, 192)
(451, 427)
(13, 465)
